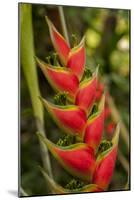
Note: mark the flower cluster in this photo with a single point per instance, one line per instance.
(81, 115)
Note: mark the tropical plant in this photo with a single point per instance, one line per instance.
(79, 110)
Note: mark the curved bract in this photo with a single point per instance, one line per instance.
(106, 163)
(85, 96)
(94, 127)
(76, 59)
(60, 78)
(59, 43)
(77, 159)
(70, 118)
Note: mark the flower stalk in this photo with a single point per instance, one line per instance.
(30, 72)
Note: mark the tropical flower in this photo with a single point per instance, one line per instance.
(89, 158)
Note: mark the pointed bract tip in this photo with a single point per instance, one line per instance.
(45, 102)
(42, 138)
(78, 47)
(41, 63)
(96, 73)
(48, 20)
(115, 138)
(38, 61)
(102, 103)
(82, 42)
(45, 141)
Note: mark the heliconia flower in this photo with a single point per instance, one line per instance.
(106, 163)
(60, 78)
(57, 189)
(85, 96)
(59, 43)
(94, 127)
(76, 59)
(78, 159)
(70, 118)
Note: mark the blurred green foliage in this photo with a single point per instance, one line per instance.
(107, 44)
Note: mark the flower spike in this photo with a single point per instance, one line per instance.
(70, 118)
(106, 163)
(76, 59)
(59, 43)
(85, 96)
(60, 78)
(95, 125)
(84, 163)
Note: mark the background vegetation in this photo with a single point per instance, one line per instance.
(107, 44)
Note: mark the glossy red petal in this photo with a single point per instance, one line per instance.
(78, 159)
(70, 118)
(59, 43)
(81, 159)
(60, 78)
(104, 170)
(85, 96)
(95, 126)
(94, 131)
(76, 59)
(106, 163)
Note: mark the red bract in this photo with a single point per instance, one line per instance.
(59, 43)
(76, 59)
(85, 96)
(94, 128)
(106, 163)
(78, 159)
(60, 78)
(70, 118)
(72, 58)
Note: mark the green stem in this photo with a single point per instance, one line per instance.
(63, 23)
(116, 118)
(123, 161)
(30, 72)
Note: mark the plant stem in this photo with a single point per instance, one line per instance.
(123, 161)
(124, 133)
(63, 23)
(27, 55)
(116, 118)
